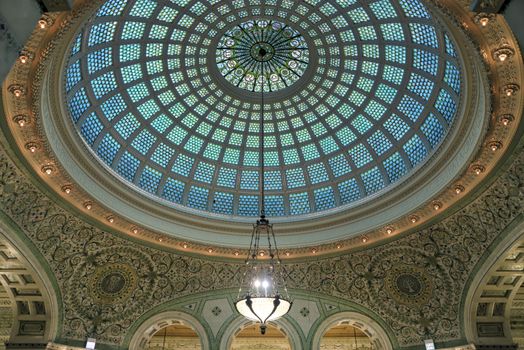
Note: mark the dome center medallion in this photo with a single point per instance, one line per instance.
(262, 52)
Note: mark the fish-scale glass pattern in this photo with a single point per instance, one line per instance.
(374, 91)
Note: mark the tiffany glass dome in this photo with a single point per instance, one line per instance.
(359, 95)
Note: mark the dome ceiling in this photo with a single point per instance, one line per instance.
(167, 95)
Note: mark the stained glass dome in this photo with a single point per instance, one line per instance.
(375, 89)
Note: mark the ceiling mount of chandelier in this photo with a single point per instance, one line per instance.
(263, 296)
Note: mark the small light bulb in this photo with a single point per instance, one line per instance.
(21, 122)
(32, 148)
(364, 239)
(42, 23)
(23, 58)
(66, 189)
(288, 253)
(265, 284)
(437, 206)
(314, 250)
(17, 92)
(459, 189)
(339, 246)
(389, 230)
(413, 219)
(257, 283)
(184, 245)
(88, 206)
(484, 21)
(502, 57)
(210, 250)
(134, 230)
(111, 219)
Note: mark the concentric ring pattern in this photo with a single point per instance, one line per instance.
(380, 92)
(283, 61)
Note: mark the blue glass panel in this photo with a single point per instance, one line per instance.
(112, 8)
(150, 179)
(425, 61)
(197, 197)
(295, 178)
(73, 75)
(379, 142)
(204, 172)
(143, 142)
(410, 108)
(452, 77)
(415, 150)
(420, 86)
(223, 203)
(272, 180)
(274, 205)
(108, 148)
(162, 155)
(173, 190)
(446, 105)
(248, 206)
(98, 60)
(349, 191)
(373, 180)
(78, 104)
(101, 33)
(249, 180)
(324, 198)
(113, 106)
(103, 85)
(183, 165)
(339, 165)
(433, 130)
(423, 34)
(227, 177)
(360, 155)
(414, 9)
(143, 8)
(383, 9)
(317, 173)
(299, 203)
(91, 128)
(396, 127)
(450, 48)
(127, 166)
(395, 167)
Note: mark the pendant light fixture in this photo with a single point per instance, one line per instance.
(263, 295)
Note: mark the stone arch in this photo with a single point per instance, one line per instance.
(378, 336)
(240, 322)
(494, 309)
(152, 325)
(33, 297)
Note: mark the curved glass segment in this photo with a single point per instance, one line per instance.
(379, 88)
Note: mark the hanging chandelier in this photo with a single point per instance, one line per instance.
(263, 295)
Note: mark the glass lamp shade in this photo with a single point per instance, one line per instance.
(263, 309)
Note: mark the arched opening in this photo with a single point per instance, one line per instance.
(6, 317)
(344, 336)
(249, 338)
(339, 331)
(28, 304)
(170, 330)
(494, 313)
(175, 336)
